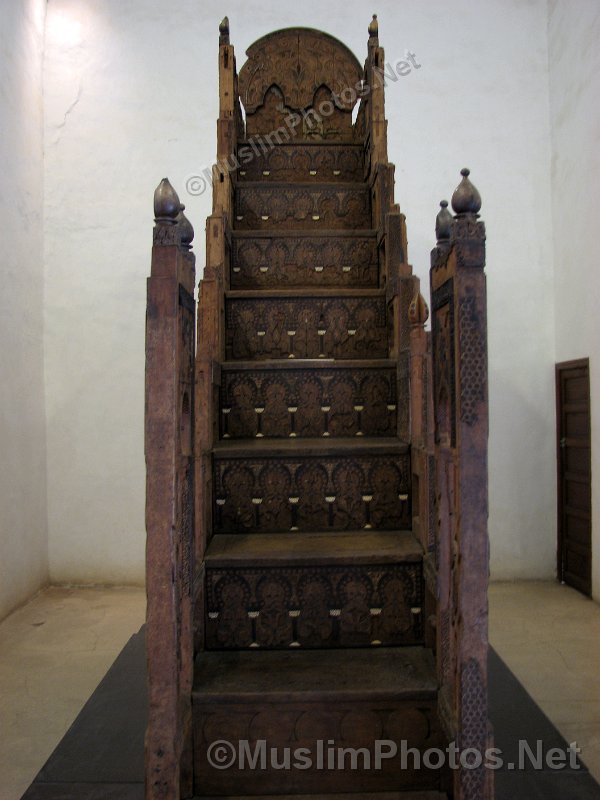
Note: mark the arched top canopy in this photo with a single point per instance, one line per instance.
(299, 61)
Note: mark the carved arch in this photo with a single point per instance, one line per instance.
(298, 61)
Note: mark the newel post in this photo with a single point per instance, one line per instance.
(376, 82)
(170, 323)
(459, 339)
(228, 124)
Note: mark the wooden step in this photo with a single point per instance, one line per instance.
(277, 591)
(306, 161)
(277, 485)
(388, 673)
(320, 447)
(308, 398)
(302, 206)
(262, 259)
(284, 324)
(341, 698)
(315, 548)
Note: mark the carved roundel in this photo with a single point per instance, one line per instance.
(231, 590)
(355, 587)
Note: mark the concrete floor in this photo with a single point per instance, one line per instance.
(55, 650)
(53, 653)
(549, 636)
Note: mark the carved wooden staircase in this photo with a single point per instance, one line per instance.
(303, 568)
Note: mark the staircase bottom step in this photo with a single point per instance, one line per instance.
(321, 722)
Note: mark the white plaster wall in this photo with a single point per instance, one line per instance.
(131, 96)
(574, 73)
(23, 543)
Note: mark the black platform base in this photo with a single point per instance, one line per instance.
(101, 757)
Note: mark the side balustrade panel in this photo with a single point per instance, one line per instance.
(210, 353)
(170, 324)
(460, 403)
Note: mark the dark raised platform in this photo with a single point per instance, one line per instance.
(101, 757)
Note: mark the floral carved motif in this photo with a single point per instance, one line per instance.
(314, 606)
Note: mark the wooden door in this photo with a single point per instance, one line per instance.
(574, 474)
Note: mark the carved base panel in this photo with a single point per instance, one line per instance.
(311, 493)
(322, 401)
(306, 327)
(318, 729)
(264, 161)
(328, 729)
(344, 606)
(302, 207)
(271, 262)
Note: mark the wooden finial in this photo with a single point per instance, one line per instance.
(466, 199)
(166, 203)
(224, 31)
(374, 28)
(443, 223)
(418, 313)
(185, 228)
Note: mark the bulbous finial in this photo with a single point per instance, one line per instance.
(374, 28)
(418, 313)
(466, 199)
(443, 223)
(166, 203)
(185, 227)
(224, 31)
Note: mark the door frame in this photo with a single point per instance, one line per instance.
(559, 367)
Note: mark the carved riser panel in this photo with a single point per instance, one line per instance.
(316, 607)
(282, 403)
(311, 494)
(301, 208)
(353, 327)
(296, 162)
(293, 725)
(279, 262)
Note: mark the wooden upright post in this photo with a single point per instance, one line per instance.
(459, 338)
(170, 326)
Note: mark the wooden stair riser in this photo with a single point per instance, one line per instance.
(286, 260)
(265, 160)
(308, 402)
(309, 493)
(306, 327)
(315, 607)
(302, 207)
(334, 723)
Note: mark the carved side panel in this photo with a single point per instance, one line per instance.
(444, 360)
(353, 327)
(185, 507)
(261, 160)
(308, 403)
(473, 727)
(473, 361)
(276, 262)
(277, 494)
(314, 607)
(302, 207)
